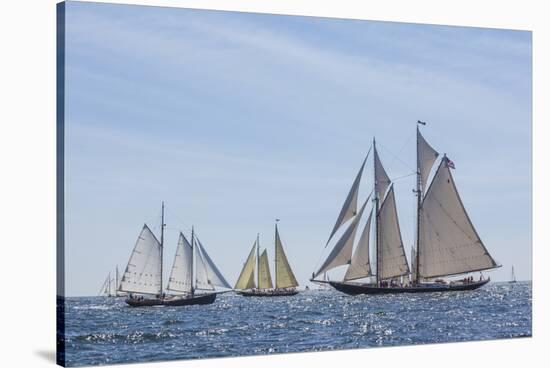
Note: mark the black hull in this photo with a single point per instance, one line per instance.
(174, 302)
(356, 288)
(267, 294)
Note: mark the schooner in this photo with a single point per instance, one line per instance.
(446, 243)
(143, 277)
(107, 290)
(256, 264)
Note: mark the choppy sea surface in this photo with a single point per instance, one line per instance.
(102, 330)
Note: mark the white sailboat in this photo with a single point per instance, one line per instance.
(256, 264)
(513, 277)
(142, 279)
(106, 287)
(447, 243)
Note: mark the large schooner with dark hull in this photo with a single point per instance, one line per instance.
(446, 242)
(262, 285)
(142, 279)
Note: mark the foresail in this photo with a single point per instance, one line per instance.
(181, 275)
(392, 261)
(264, 281)
(426, 157)
(214, 276)
(285, 277)
(246, 278)
(381, 178)
(142, 274)
(349, 209)
(341, 253)
(360, 265)
(449, 243)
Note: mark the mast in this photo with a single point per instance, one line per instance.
(192, 258)
(377, 217)
(418, 209)
(116, 280)
(276, 220)
(258, 260)
(161, 245)
(109, 287)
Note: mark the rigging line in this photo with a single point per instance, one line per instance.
(411, 136)
(396, 157)
(402, 177)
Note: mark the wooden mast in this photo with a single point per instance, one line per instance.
(377, 217)
(161, 245)
(258, 259)
(418, 208)
(192, 259)
(276, 220)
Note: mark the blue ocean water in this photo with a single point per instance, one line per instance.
(105, 331)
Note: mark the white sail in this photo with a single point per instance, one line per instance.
(104, 287)
(142, 274)
(341, 253)
(360, 265)
(285, 277)
(349, 209)
(210, 275)
(426, 157)
(392, 260)
(246, 278)
(264, 279)
(449, 243)
(381, 178)
(181, 275)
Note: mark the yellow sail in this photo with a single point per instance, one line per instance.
(285, 277)
(264, 281)
(246, 278)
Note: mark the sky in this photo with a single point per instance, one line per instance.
(236, 119)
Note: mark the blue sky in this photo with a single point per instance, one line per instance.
(235, 119)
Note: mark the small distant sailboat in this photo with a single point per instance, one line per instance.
(285, 281)
(447, 243)
(513, 277)
(142, 279)
(106, 288)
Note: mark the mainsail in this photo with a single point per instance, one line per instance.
(246, 278)
(210, 276)
(264, 279)
(181, 276)
(349, 209)
(449, 243)
(392, 260)
(143, 272)
(360, 266)
(284, 276)
(341, 253)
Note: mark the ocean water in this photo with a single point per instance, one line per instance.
(106, 331)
